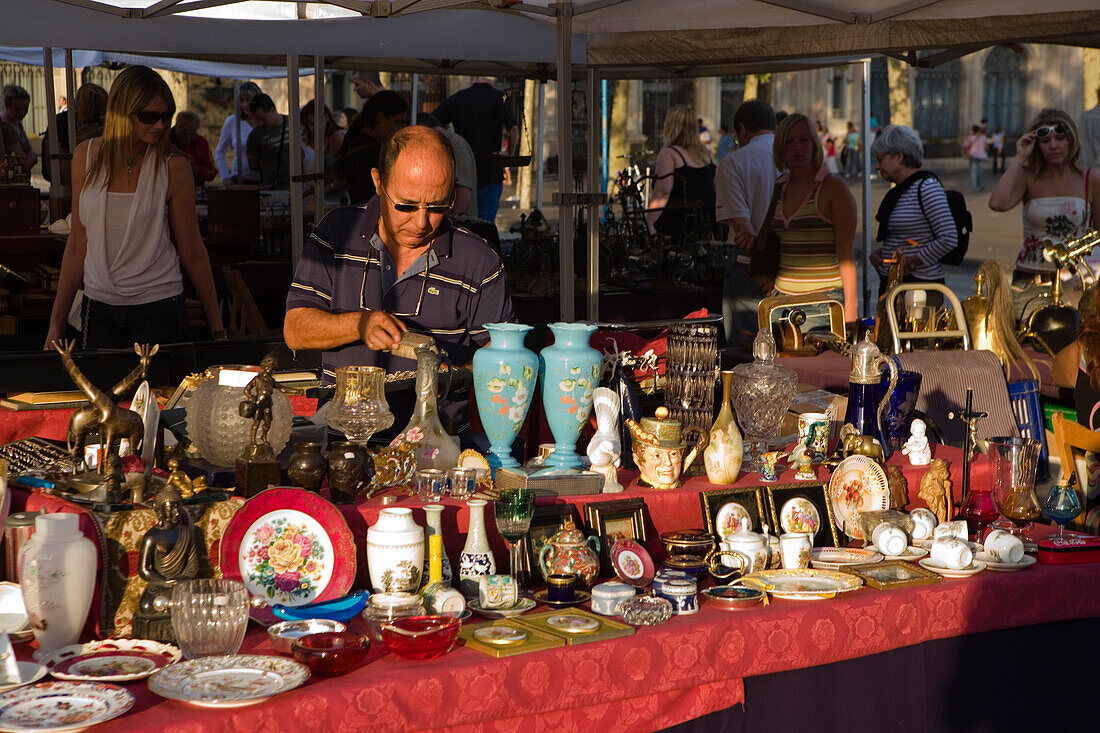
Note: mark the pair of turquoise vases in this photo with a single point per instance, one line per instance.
(504, 382)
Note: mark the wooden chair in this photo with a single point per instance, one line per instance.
(245, 318)
(1074, 443)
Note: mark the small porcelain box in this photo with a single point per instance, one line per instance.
(664, 575)
(606, 597)
(682, 595)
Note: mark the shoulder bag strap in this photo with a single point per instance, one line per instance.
(777, 193)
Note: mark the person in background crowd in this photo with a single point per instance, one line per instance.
(133, 199)
(974, 149)
(682, 203)
(347, 116)
(998, 146)
(185, 136)
(914, 209)
(480, 115)
(830, 155)
(1060, 197)
(743, 189)
(90, 108)
(704, 135)
(17, 101)
(465, 167)
(853, 165)
(1090, 136)
(815, 220)
(366, 84)
(241, 173)
(382, 115)
(268, 144)
(725, 142)
(334, 139)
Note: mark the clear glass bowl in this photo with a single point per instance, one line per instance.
(209, 616)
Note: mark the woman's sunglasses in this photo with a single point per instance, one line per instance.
(148, 117)
(1061, 130)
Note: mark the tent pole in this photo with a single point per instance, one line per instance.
(295, 156)
(564, 11)
(415, 100)
(865, 153)
(318, 137)
(51, 128)
(70, 98)
(538, 147)
(237, 152)
(595, 138)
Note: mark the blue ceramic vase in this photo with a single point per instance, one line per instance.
(504, 383)
(570, 373)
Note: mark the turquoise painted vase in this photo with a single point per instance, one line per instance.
(570, 373)
(504, 383)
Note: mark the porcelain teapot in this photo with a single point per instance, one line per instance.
(568, 553)
(658, 448)
(750, 546)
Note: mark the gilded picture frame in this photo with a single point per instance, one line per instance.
(816, 492)
(749, 497)
(613, 520)
(892, 574)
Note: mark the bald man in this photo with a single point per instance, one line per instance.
(369, 273)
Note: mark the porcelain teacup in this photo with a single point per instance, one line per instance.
(890, 539)
(497, 591)
(952, 553)
(924, 523)
(794, 550)
(1003, 546)
(957, 529)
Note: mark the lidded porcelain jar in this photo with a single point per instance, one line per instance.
(606, 597)
(751, 546)
(681, 594)
(395, 551)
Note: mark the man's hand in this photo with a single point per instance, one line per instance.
(744, 239)
(876, 258)
(380, 331)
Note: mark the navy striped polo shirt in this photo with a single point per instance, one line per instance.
(450, 292)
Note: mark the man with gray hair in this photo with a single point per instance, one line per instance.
(17, 101)
(743, 189)
(185, 136)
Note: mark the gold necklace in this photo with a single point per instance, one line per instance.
(130, 163)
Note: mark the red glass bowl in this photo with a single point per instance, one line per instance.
(421, 637)
(331, 653)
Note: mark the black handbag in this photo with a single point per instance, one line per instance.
(764, 255)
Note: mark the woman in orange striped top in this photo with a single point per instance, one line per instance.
(815, 220)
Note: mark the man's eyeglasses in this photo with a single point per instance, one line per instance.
(410, 208)
(1061, 130)
(149, 117)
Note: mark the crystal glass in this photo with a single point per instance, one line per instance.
(762, 393)
(359, 409)
(513, 509)
(431, 484)
(209, 616)
(1014, 464)
(1062, 505)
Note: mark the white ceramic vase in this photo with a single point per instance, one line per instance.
(57, 575)
(395, 552)
(476, 559)
(434, 526)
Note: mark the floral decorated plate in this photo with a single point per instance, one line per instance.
(523, 606)
(28, 672)
(224, 682)
(1004, 567)
(935, 566)
(112, 660)
(632, 563)
(833, 558)
(53, 707)
(289, 546)
(570, 623)
(857, 485)
(731, 519)
(800, 515)
(804, 584)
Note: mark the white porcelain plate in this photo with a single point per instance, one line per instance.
(805, 584)
(281, 544)
(911, 554)
(832, 558)
(800, 515)
(53, 707)
(111, 660)
(857, 485)
(145, 404)
(1005, 567)
(974, 568)
(233, 681)
(14, 620)
(731, 519)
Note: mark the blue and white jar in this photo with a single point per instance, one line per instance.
(476, 559)
(682, 595)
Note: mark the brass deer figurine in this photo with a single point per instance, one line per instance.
(104, 415)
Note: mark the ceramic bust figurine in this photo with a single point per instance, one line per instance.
(917, 448)
(658, 449)
(604, 449)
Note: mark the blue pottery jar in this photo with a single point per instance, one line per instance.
(504, 383)
(570, 372)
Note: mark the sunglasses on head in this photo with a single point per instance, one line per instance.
(1042, 133)
(148, 117)
(410, 208)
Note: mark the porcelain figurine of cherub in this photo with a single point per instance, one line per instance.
(917, 448)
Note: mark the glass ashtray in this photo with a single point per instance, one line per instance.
(645, 610)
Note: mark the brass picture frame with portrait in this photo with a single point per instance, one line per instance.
(749, 497)
(891, 574)
(545, 522)
(612, 521)
(816, 492)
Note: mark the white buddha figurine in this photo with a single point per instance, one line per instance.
(917, 448)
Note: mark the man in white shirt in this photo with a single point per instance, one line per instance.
(743, 188)
(1090, 137)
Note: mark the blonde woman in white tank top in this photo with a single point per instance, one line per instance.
(132, 198)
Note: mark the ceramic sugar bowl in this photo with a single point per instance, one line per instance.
(568, 553)
(751, 547)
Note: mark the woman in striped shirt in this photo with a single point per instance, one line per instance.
(914, 209)
(815, 220)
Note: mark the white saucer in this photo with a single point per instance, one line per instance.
(974, 568)
(911, 554)
(975, 547)
(1005, 567)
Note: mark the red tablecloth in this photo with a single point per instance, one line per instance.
(662, 675)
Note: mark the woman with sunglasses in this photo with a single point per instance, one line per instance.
(1061, 199)
(133, 196)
